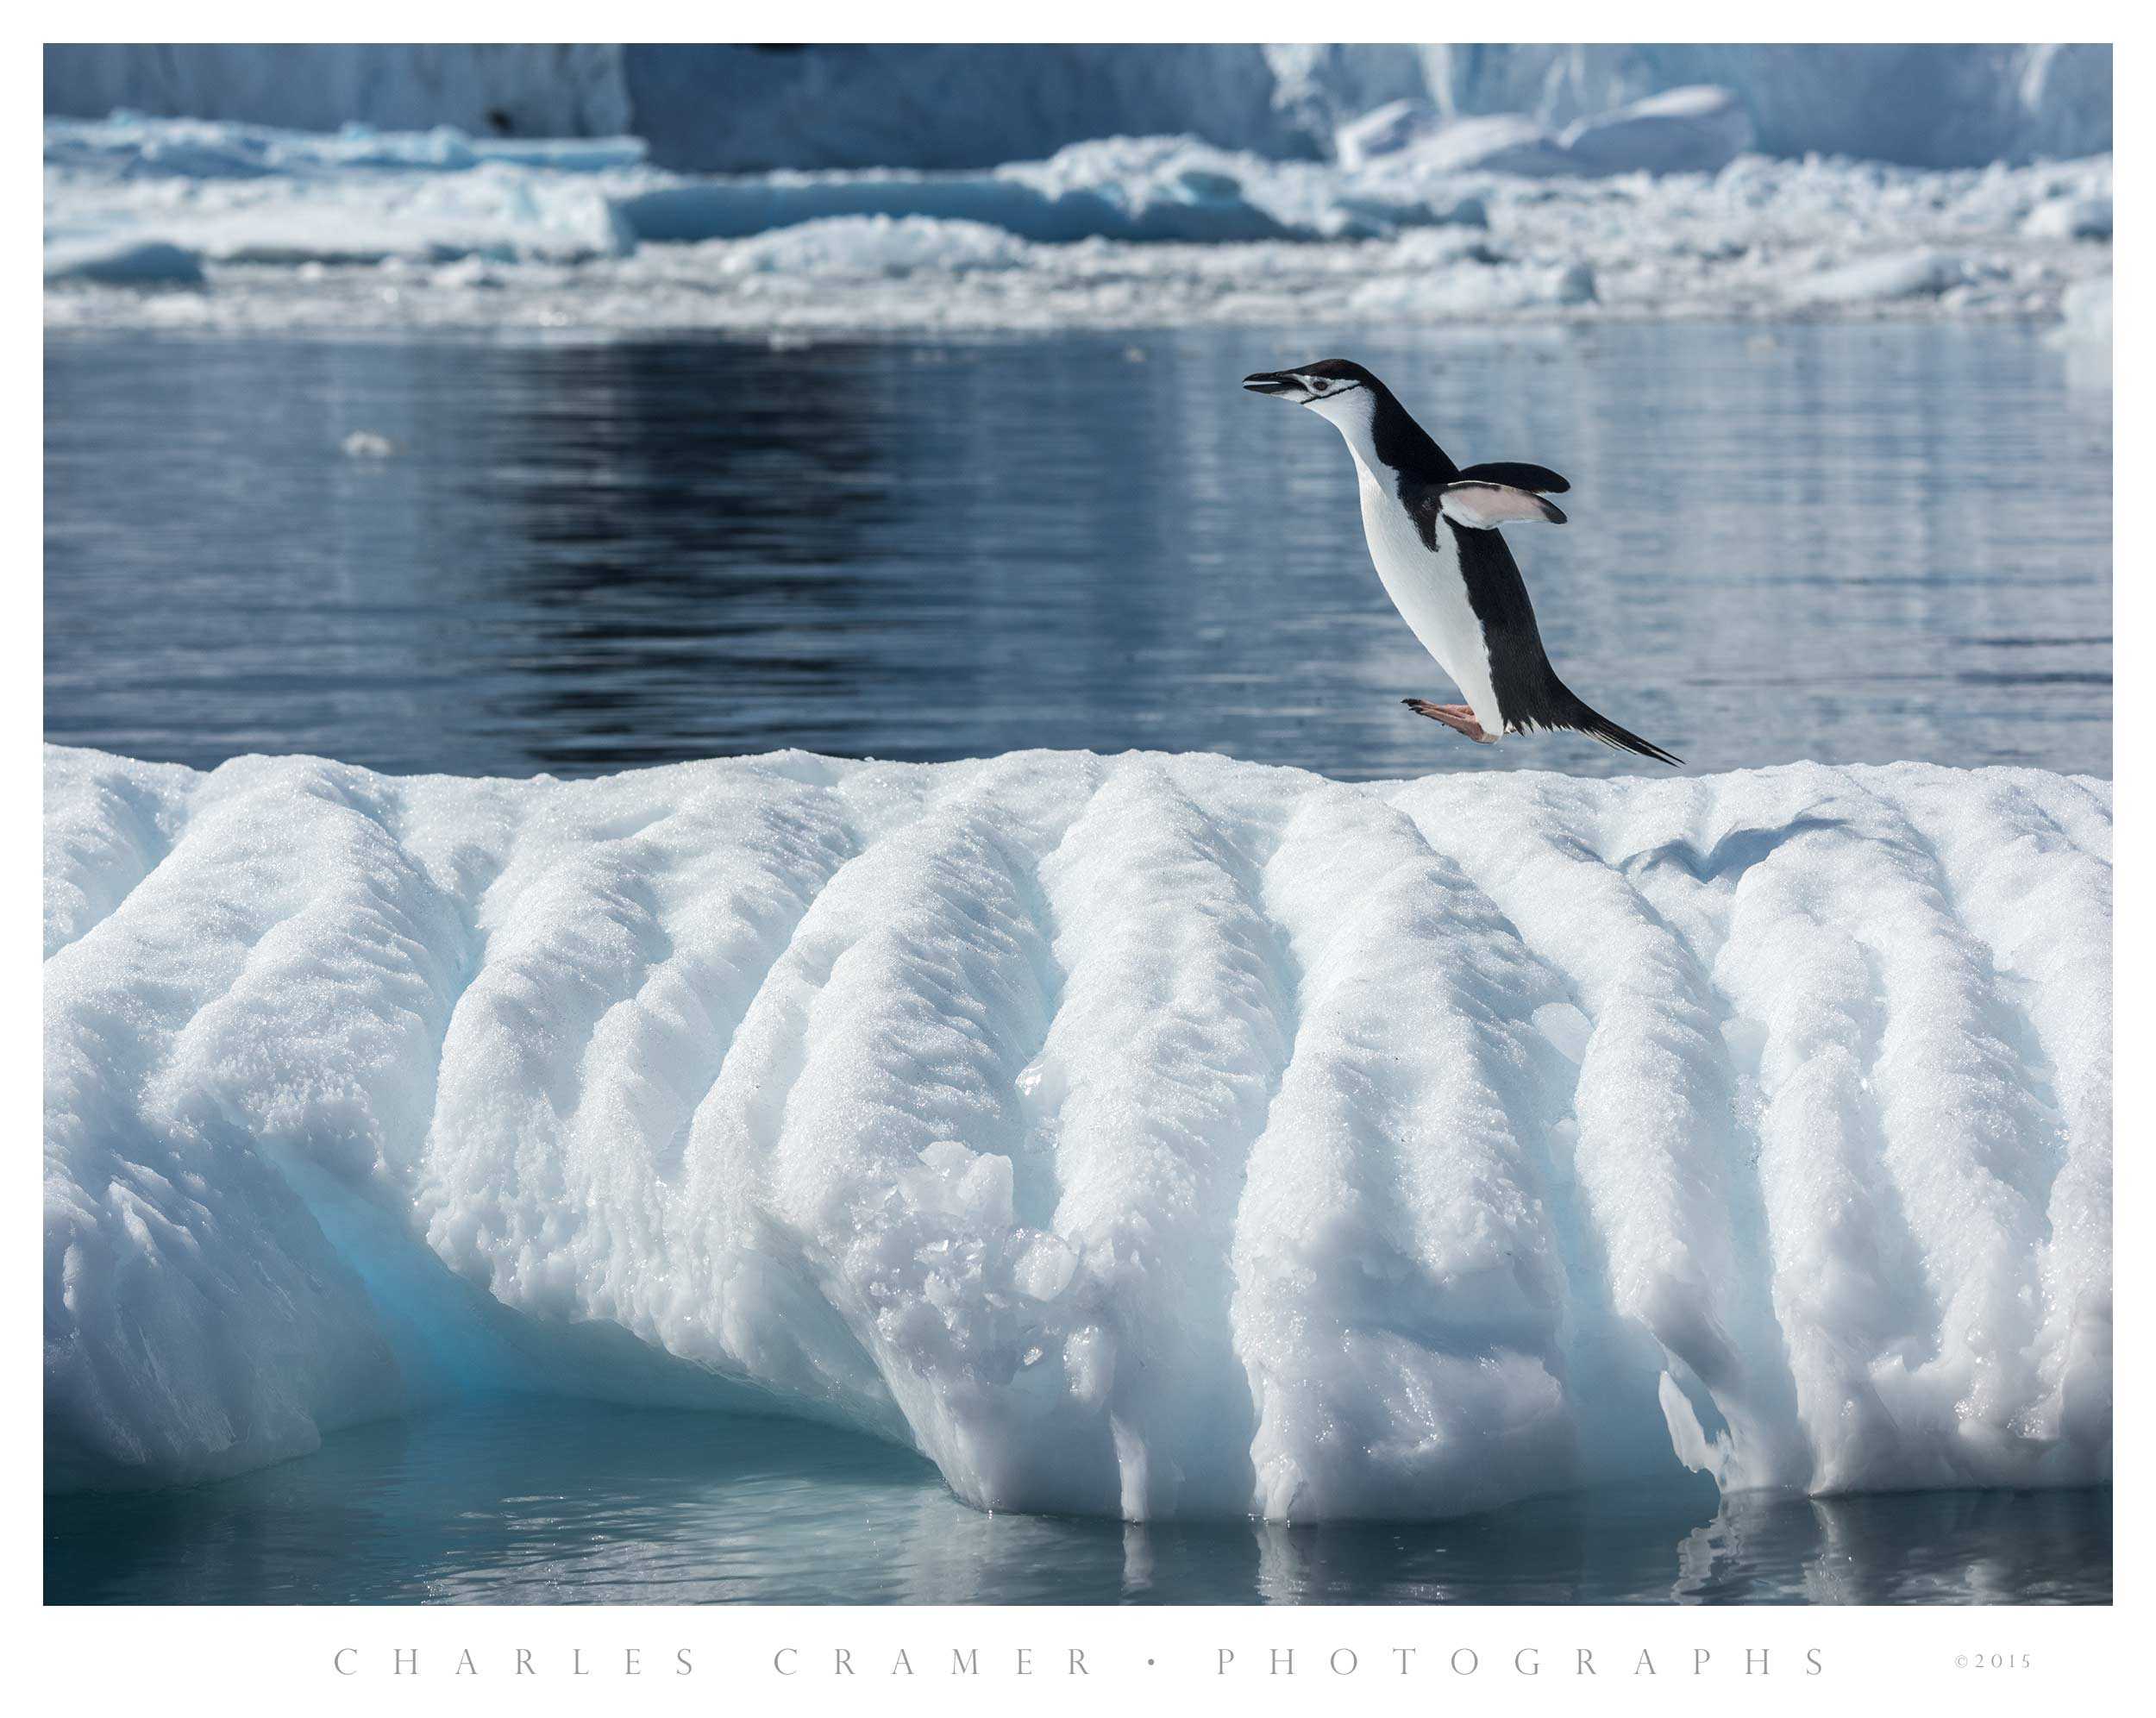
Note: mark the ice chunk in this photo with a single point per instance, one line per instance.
(2085, 315)
(1898, 274)
(2071, 217)
(1148, 1136)
(874, 244)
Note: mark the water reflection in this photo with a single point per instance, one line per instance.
(583, 557)
(1960, 1547)
(533, 1501)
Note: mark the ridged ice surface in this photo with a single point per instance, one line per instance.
(1145, 1135)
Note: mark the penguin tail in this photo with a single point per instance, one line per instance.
(1597, 726)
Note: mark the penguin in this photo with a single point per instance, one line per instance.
(1432, 531)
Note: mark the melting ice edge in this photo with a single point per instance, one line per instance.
(1152, 1136)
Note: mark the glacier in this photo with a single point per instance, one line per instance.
(1150, 1135)
(718, 108)
(1655, 210)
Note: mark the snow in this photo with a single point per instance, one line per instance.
(714, 108)
(1151, 1136)
(219, 226)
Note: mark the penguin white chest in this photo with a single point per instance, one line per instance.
(1429, 589)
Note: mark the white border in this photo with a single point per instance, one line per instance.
(154, 1660)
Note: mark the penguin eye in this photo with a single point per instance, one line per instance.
(1318, 387)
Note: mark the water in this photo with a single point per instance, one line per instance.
(1851, 543)
(557, 1502)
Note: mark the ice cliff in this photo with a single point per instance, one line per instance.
(714, 108)
(1149, 1135)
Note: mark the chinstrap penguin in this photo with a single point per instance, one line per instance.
(1432, 531)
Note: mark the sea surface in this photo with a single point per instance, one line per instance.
(1850, 543)
(531, 1502)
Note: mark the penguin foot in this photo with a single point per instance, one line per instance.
(1458, 717)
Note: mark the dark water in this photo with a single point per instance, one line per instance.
(1842, 542)
(557, 1502)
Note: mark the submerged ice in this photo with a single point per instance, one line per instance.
(1149, 1136)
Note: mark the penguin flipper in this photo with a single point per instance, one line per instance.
(1484, 506)
(1516, 473)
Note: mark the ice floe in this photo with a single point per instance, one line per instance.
(1151, 1135)
(178, 223)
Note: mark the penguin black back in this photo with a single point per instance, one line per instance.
(1460, 589)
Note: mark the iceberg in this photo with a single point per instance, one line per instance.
(1147, 1136)
(176, 224)
(717, 108)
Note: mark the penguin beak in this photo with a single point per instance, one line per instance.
(1272, 382)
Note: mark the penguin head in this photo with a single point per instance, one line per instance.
(1329, 387)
